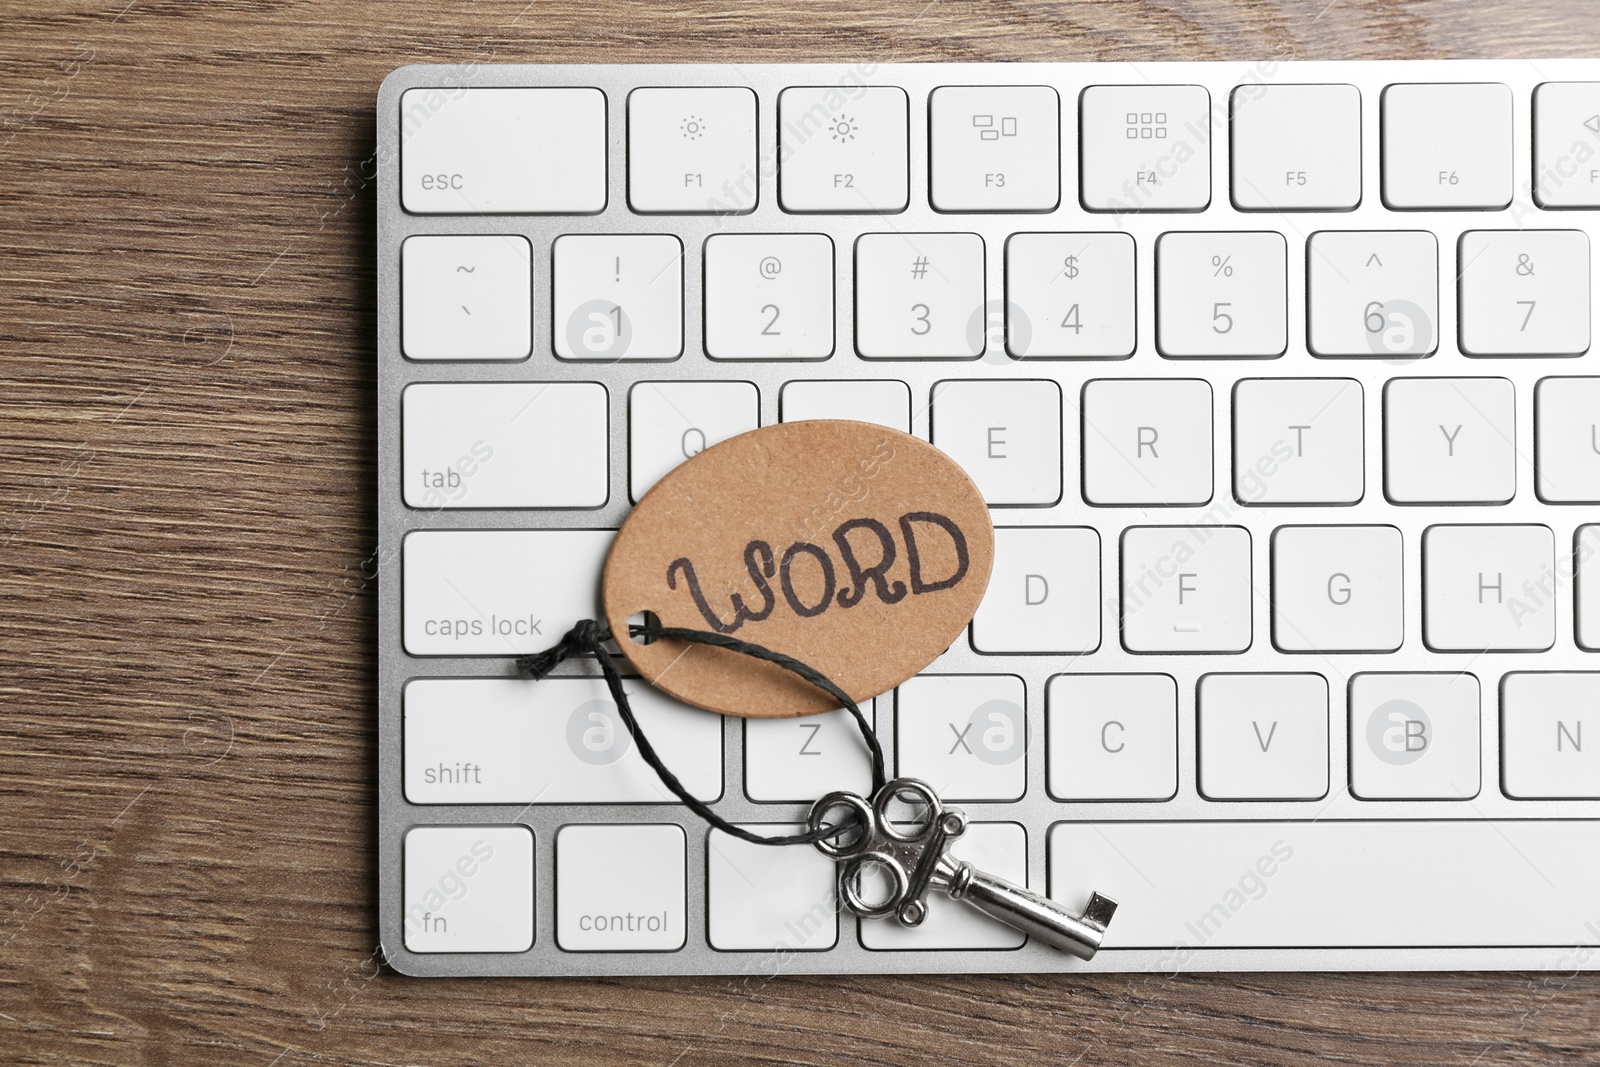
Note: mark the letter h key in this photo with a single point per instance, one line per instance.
(913, 854)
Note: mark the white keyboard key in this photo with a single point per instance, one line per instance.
(1044, 592)
(466, 297)
(1298, 441)
(1543, 717)
(484, 445)
(764, 898)
(1586, 546)
(481, 755)
(1147, 441)
(1564, 129)
(1000, 848)
(1236, 884)
(1296, 147)
(1263, 736)
(1186, 589)
(469, 889)
(1145, 147)
(887, 403)
(620, 888)
(1447, 146)
(556, 741)
(1337, 589)
(920, 296)
(1070, 295)
(503, 151)
(1373, 293)
(843, 151)
(800, 759)
(692, 150)
(994, 148)
(965, 735)
(1489, 587)
(1006, 434)
(669, 422)
(618, 296)
(1221, 294)
(1414, 736)
(1112, 736)
(769, 296)
(1524, 292)
(1449, 440)
(498, 592)
(1567, 428)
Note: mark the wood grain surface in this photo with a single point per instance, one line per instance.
(186, 533)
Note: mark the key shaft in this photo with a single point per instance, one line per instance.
(1037, 916)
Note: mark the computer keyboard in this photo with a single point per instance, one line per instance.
(1277, 379)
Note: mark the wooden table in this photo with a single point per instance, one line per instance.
(186, 545)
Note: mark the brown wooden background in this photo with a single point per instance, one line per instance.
(186, 532)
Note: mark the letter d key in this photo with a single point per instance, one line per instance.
(913, 854)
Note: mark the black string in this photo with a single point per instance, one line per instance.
(588, 638)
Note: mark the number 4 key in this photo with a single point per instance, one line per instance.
(1070, 296)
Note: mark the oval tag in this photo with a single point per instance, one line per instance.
(859, 550)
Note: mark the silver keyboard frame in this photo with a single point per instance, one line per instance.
(1036, 810)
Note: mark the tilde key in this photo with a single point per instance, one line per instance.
(915, 855)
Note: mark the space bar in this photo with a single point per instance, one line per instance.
(1336, 884)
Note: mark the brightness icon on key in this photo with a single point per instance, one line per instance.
(844, 128)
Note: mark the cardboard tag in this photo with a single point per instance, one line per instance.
(859, 550)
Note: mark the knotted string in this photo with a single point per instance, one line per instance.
(588, 638)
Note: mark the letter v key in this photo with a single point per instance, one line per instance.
(1265, 744)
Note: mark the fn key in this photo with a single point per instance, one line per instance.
(469, 889)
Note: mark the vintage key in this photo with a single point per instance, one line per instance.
(914, 855)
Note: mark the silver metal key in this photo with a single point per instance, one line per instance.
(913, 854)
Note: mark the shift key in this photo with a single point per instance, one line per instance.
(498, 592)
